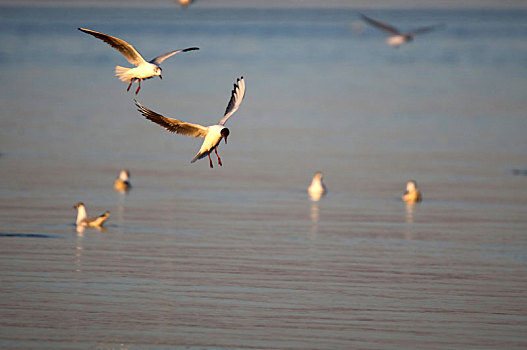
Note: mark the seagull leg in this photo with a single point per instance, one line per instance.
(129, 86)
(219, 159)
(139, 87)
(210, 160)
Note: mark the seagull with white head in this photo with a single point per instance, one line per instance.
(122, 183)
(144, 69)
(317, 188)
(412, 194)
(84, 220)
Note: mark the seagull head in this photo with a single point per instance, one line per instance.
(224, 133)
(158, 71)
(411, 185)
(78, 205)
(124, 175)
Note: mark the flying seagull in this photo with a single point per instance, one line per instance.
(84, 220)
(144, 69)
(212, 134)
(397, 38)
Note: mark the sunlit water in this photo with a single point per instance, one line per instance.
(238, 257)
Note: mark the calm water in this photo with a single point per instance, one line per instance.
(238, 257)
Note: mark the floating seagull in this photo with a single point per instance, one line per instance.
(412, 194)
(317, 188)
(212, 134)
(397, 38)
(122, 184)
(84, 220)
(144, 69)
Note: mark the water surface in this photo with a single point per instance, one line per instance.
(238, 257)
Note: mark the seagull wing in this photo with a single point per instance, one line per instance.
(98, 221)
(128, 51)
(386, 27)
(159, 59)
(425, 29)
(173, 125)
(237, 95)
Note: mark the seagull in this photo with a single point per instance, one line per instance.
(185, 3)
(212, 134)
(144, 69)
(317, 188)
(84, 220)
(412, 194)
(122, 184)
(397, 38)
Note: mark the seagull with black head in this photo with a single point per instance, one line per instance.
(212, 134)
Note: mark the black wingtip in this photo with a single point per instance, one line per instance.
(139, 107)
(366, 18)
(236, 85)
(190, 49)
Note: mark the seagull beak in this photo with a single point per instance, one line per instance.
(225, 137)
(160, 77)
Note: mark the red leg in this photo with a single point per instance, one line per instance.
(219, 159)
(210, 160)
(129, 86)
(139, 87)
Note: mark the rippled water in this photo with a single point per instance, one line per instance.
(238, 257)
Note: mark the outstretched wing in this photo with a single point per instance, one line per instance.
(386, 27)
(237, 95)
(128, 51)
(173, 125)
(425, 29)
(159, 59)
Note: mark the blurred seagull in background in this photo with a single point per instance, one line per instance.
(144, 69)
(397, 38)
(185, 3)
(122, 183)
(84, 220)
(212, 134)
(412, 194)
(317, 188)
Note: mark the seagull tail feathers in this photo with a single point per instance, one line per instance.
(123, 73)
(199, 156)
